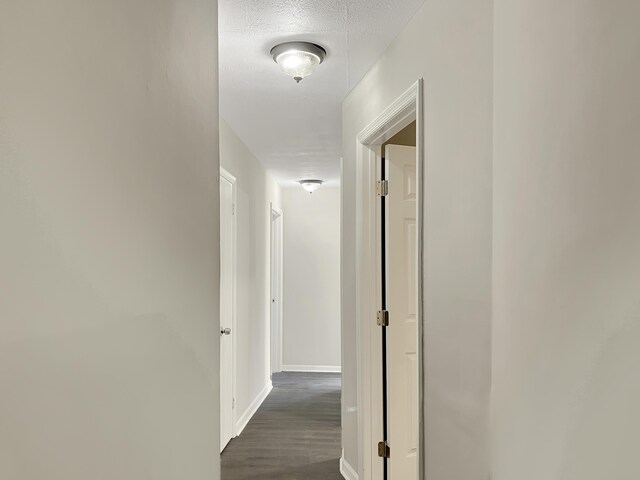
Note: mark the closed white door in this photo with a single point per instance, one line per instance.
(402, 333)
(276, 290)
(227, 281)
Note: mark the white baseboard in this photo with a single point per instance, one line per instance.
(311, 368)
(253, 408)
(347, 470)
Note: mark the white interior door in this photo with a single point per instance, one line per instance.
(227, 287)
(402, 333)
(276, 290)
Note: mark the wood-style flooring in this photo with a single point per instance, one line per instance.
(295, 434)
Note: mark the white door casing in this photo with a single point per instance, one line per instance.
(399, 114)
(227, 308)
(402, 334)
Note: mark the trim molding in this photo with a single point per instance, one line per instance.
(253, 408)
(347, 470)
(311, 368)
(225, 174)
(393, 119)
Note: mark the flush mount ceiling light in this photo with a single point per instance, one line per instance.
(298, 59)
(311, 185)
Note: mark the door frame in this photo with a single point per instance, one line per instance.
(404, 110)
(234, 291)
(276, 217)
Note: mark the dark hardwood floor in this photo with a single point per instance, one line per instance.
(295, 435)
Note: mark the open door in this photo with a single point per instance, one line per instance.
(402, 332)
(227, 308)
(398, 317)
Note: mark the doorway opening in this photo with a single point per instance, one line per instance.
(389, 211)
(276, 289)
(227, 308)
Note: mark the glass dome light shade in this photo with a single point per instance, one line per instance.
(311, 185)
(298, 64)
(298, 59)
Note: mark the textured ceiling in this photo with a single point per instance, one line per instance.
(295, 129)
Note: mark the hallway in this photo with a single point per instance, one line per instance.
(440, 200)
(294, 435)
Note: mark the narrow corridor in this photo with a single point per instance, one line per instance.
(294, 435)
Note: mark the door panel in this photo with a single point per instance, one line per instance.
(276, 292)
(402, 337)
(226, 311)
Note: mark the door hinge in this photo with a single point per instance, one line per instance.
(382, 188)
(233, 403)
(382, 318)
(383, 450)
(233, 209)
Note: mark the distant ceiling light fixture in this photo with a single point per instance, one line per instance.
(311, 185)
(298, 59)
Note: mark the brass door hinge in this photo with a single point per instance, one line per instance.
(382, 188)
(383, 450)
(382, 318)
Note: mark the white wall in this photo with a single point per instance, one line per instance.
(109, 245)
(454, 38)
(566, 337)
(256, 189)
(311, 279)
